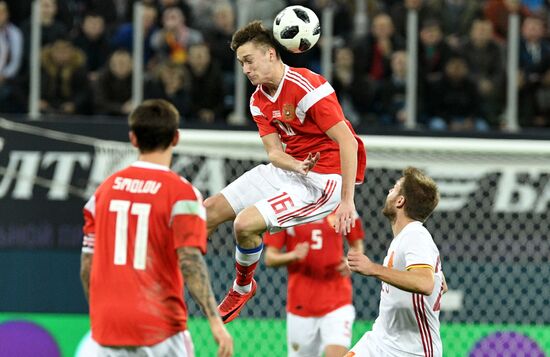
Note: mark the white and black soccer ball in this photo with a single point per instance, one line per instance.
(296, 28)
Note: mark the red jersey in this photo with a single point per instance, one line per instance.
(301, 111)
(134, 223)
(315, 287)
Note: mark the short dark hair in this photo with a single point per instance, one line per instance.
(430, 22)
(420, 192)
(254, 32)
(154, 123)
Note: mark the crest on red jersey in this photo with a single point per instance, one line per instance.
(289, 112)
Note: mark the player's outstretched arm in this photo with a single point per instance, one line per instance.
(348, 162)
(195, 274)
(274, 257)
(419, 280)
(357, 245)
(85, 269)
(282, 160)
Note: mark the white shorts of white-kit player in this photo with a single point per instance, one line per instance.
(308, 336)
(285, 198)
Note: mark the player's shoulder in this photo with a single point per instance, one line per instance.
(108, 182)
(304, 78)
(180, 189)
(185, 187)
(304, 72)
(415, 232)
(256, 95)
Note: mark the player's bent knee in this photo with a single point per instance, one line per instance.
(249, 225)
(242, 226)
(218, 210)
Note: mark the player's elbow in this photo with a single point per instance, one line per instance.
(353, 143)
(426, 286)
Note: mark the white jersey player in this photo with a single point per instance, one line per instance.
(412, 279)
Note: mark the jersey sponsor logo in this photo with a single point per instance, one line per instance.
(136, 186)
(289, 112)
(276, 114)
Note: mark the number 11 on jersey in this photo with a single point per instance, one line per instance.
(141, 210)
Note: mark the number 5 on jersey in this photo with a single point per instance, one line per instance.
(141, 210)
(317, 239)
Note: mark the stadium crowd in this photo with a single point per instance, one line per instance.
(87, 67)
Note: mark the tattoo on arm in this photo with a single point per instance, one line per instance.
(195, 273)
(85, 268)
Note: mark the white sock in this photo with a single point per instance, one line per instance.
(242, 289)
(247, 257)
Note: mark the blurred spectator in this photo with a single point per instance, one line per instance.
(343, 13)
(485, 59)
(376, 49)
(497, 11)
(185, 8)
(454, 100)
(114, 12)
(538, 7)
(113, 95)
(52, 29)
(534, 52)
(93, 41)
(21, 11)
(353, 91)
(265, 11)
(541, 117)
(172, 41)
(398, 10)
(218, 36)
(65, 88)
(392, 94)
(433, 51)
(534, 61)
(11, 51)
(169, 83)
(206, 87)
(456, 17)
(123, 37)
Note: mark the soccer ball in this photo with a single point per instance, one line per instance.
(296, 28)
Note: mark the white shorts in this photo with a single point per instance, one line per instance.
(285, 198)
(179, 345)
(367, 347)
(308, 336)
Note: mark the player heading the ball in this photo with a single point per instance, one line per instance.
(314, 174)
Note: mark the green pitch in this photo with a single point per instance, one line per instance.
(268, 337)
